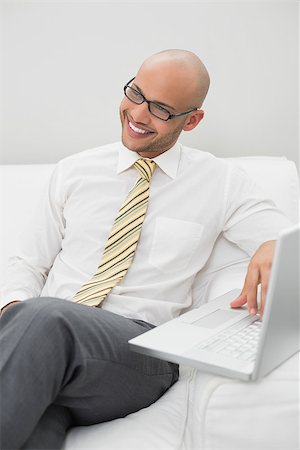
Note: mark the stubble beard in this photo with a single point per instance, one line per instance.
(161, 144)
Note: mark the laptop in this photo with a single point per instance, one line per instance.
(229, 342)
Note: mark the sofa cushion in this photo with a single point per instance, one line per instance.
(160, 426)
(206, 412)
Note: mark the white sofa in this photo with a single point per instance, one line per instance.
(201, 411)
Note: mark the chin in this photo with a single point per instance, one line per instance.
(132, 144)
(129, 145)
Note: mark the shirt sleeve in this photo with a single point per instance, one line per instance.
(249, 217)
(38, 245)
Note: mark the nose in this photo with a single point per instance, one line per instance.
(140, 113)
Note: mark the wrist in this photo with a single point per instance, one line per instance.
(10, 303)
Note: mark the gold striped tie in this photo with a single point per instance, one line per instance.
(122, 241)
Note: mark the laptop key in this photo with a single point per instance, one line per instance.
(237, 342)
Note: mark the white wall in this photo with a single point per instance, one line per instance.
(65, 64)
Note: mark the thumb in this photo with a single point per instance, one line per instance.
(239, 301)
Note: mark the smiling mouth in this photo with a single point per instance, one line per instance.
(136, 131)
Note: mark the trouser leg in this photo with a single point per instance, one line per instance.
(32, 368)
(50, 431)
(61, 353)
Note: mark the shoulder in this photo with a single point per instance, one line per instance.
(204, 161)
(85, 164)
(229, 166)
(89, 161)
(98, 155)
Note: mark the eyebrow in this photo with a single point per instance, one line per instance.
(153, 101)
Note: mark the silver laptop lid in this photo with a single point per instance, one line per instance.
(280, 333)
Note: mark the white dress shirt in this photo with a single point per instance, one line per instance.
(194, 196)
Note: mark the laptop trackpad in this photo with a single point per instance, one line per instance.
(216, 318)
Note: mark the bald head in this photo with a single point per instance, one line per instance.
(184, 68)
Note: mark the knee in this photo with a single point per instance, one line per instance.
(46, 310)
(46, 304)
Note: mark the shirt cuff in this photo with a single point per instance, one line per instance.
(12, 297)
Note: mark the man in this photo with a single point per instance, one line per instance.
(102, 265)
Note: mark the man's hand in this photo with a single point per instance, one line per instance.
(258, 273)
(8, 305)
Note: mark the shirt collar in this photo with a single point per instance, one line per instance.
(167, 161)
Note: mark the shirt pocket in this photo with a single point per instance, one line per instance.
(174, 243)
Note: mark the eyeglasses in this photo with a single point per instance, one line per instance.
(154, 108)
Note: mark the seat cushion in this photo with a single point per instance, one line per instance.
(207, 412)
(236, 415)
(160, 426)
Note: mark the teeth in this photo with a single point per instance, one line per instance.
(137, 130)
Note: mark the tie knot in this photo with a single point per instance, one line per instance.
(145, 168)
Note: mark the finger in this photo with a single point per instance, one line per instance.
(239, 301)
(249, 292)
(251, 283)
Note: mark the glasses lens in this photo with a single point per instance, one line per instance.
(159, 111)
(133, 95)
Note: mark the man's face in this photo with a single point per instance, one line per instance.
(144, 133)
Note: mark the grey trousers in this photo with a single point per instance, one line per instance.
(64, 365)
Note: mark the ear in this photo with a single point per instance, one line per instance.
(193, 120)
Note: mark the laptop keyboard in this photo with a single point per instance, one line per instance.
(240, 344)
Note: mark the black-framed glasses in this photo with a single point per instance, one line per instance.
(154, 108)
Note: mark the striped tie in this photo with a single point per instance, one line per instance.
(122, 241)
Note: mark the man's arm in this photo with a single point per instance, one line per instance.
(253, 222)
(38, 246)
(8, 305)
(258, 272)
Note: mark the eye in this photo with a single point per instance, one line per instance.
(159, 109)
(135, 94)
